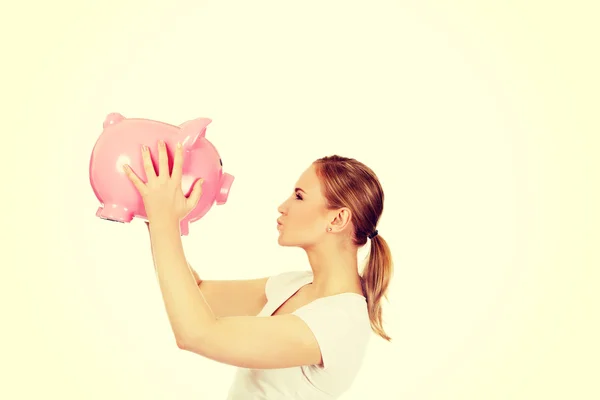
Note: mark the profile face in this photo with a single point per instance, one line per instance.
(303, 217)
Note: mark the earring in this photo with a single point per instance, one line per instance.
(329, 229)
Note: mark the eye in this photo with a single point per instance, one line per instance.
(298, 196)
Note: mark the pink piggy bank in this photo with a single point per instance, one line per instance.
(120, 143)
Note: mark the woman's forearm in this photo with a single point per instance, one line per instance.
(196, 277)
(189, 314)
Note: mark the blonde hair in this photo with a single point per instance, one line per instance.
(349, 183)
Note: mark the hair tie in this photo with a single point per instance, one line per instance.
(372, 235)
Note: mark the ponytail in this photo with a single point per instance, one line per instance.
(376, 278)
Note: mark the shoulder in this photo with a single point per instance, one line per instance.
(284, 280)
(341, 325)
(347, 309)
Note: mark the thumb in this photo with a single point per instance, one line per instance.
(196, 193)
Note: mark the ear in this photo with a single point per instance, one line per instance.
(192, 131)
(342, 219)
(195, 126)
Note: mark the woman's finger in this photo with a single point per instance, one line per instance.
(194, 197)
(163, 160)
(137, 182)
(177, 164)
(148, 166)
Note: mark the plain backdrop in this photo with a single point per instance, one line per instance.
(479, 118)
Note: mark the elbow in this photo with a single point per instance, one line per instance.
(186, 342)
(181, 341)
(194, 339)
(180, 344)
(195, 343)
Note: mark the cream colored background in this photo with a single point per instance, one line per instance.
(479, 117)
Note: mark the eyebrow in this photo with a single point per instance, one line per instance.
(300, 189)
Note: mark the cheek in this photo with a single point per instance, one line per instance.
(307, 219)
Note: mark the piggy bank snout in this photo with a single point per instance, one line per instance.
(226, 182)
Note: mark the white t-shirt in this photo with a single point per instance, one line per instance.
(341, 326)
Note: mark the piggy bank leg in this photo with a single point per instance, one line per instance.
(115, 212)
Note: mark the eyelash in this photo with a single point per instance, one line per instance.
(298, 197)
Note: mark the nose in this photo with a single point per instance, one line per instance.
(281, 207)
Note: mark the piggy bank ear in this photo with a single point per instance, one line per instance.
(111, 119)
(192, 131)
(197, 125)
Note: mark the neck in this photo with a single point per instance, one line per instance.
(335, 270)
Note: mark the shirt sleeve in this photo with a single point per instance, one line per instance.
(341, 327)
(276, 283)
(285, 281)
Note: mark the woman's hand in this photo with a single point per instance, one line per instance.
(162, 195)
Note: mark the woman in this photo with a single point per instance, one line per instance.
(295, 335)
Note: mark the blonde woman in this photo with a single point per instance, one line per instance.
(298, 334)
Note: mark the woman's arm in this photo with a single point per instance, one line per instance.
(252, 342)
(196, 277)
(228, 298)
(186, 307)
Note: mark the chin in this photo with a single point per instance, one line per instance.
(286, 242)
(283, 242)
